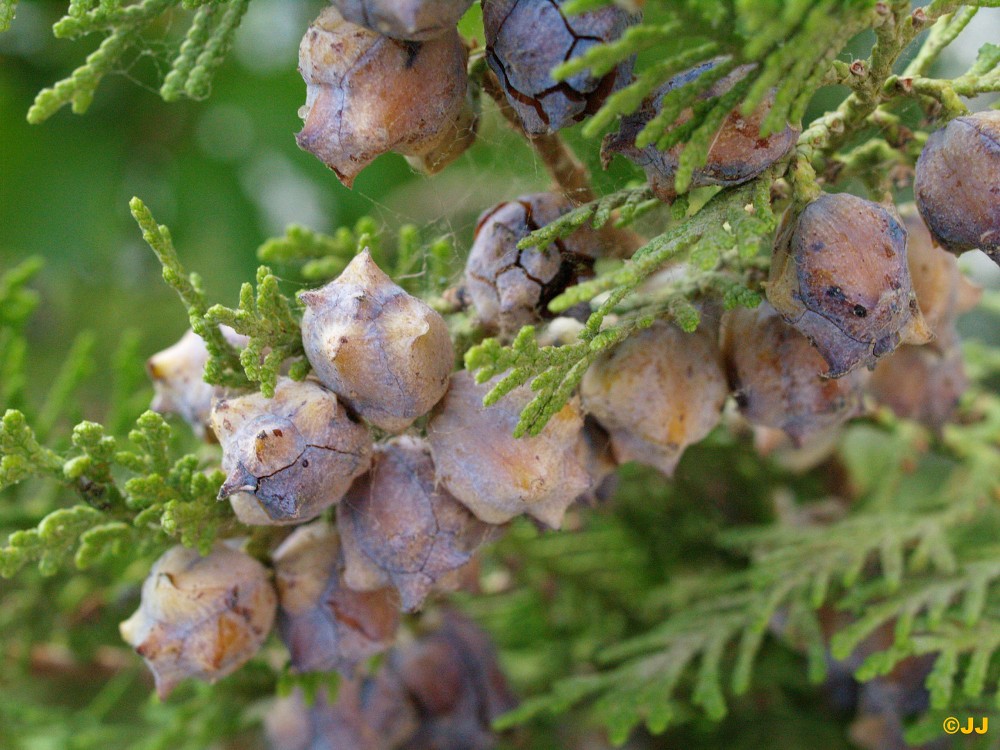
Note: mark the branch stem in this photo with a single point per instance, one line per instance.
(569, 174)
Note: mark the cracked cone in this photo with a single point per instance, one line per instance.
(510, 287)
(526, 39)
(296, 453)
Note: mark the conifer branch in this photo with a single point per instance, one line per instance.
(203, 50)
(415, 265)
(8, 8)
(788, 53)
(17, 303)
(943, 33)
(868, 104)
(901, 564)
(225, 366)
(729, 231)
(645, 613)
(568, 173)
(267, 317)
(164, 499)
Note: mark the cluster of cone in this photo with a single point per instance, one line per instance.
(391, 76)
(440, 690)
(411, 511)
(862, 282)
(205, 616)
(847, 290)
(413, 508)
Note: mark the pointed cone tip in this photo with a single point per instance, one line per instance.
(413, 592)
(126, 628)
(311, 297)
(916, 331)
(550, 513)
(164, 686)
(365, 272)
(239, 480)
(314, 138)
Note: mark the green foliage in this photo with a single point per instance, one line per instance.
(204, 49)
(785, 46)
(266, 316)
(272, 325)
(164, 499)
(318, 258)
(49, 543)
(629, 203)
(224, 366)
(720, 243)
(201, 716)
(207, 716)
(17, 303)
(788, 49)
(7, 11)
(795, 43)
(22, 455)
(126, 26)
(918, 556)
(309, 684)
(878, 91)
